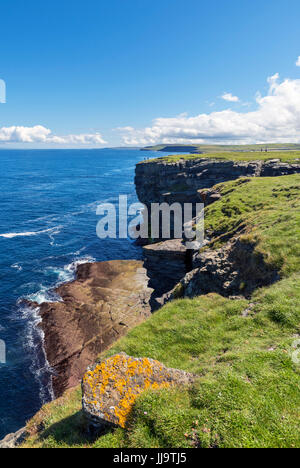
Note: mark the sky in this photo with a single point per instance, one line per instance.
(99, 73)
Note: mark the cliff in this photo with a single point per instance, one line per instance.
(243, 348)
(107, 299)
(234, 322)
(235, 268)
(163, 180)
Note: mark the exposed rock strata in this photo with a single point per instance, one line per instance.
(110, 388)
(166, 263)
(101, 305)
(233, 270)
(160, 181)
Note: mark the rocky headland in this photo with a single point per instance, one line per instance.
(107, 299)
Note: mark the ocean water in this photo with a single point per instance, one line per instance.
(48, 219)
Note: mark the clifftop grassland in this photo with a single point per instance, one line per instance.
(284, 156)
(171, 148)
(248, 390)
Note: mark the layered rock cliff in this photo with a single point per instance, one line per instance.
(180, 181)
(235, 269)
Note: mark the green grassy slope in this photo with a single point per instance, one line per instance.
(284, 156)
(224, 148)
(248, 391)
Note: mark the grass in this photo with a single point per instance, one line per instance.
(248, 390)
(284, 156)
(224, 148)
(268, 211)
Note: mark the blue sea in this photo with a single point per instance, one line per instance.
(48, 201)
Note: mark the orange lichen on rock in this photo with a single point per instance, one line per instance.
(111, 387)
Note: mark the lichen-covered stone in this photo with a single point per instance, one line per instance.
(111, 387)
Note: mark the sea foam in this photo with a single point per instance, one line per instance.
(12, 235)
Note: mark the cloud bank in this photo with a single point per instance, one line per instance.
(40, 134)
(276, 119)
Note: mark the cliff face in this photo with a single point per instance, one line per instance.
(232, 270)
(180, 181)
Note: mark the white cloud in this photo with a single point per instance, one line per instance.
(298, 62)
(276, 119)
(40, 134)
(230, 98)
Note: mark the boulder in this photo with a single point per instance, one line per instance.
(235, 269)
(111, 387)
(209, 196)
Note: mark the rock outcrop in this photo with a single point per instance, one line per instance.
(13, 440)
(111, 387)
(101, 305)
(232, 270)
(167, 263)
(180, 181)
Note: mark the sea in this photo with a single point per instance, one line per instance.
(48, 219)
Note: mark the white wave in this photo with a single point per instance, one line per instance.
(34, 346)
(44, 295)
(79, 251)
(17, 266)
(51, 218)
(64, 275)
(53, 232)
(34, 342)
(69, 271)
(18, 234)
(11, 235)
(91, 207)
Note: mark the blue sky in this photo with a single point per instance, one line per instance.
(157, 68)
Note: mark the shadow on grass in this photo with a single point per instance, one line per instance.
(71, 431)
